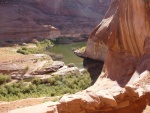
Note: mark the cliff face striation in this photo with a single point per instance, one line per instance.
(122, 37)
(27, 19)
(122, 41)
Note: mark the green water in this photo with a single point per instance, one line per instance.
(67, 51)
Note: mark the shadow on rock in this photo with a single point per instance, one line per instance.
(94, 67)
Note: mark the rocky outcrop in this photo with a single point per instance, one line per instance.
(66, 70)
(29, 19)
(26, 66)
(36, 66)
(121, 40)
(53, 67)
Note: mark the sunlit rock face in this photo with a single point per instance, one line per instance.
(124, 35)
(121, 40)
(26, 19)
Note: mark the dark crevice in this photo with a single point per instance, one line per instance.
(94, 67)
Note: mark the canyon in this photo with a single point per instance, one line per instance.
(121, 41)
(22, 21)
(31, 21)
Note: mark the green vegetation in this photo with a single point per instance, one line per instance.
(82, 49)
(55, 86)
(68, 40)
(63, 40)
(4, 78)
(41, 47)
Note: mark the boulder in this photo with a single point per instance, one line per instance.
(52, 67)
(71, 65)
(34, 41)
(65, 71)
(107, 98)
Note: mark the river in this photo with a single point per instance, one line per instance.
(67, 51)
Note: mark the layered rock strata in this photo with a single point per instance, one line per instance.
(21, 21)
(121, 40)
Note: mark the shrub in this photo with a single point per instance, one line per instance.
(51, 81)
(62, 40)
(81, 50)
(26, 51)
(23, 50)
(36, 81)
(55, 86)
(41, 47)
(44, 44)
(4, 78)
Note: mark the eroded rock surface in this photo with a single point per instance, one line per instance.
(26, 65)
(29, 19)
(121, 40)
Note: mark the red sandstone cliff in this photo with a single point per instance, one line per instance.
(122, 41)
(26, 19)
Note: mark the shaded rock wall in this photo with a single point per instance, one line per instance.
(80, 8)
(26, 19)
(94, 67)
